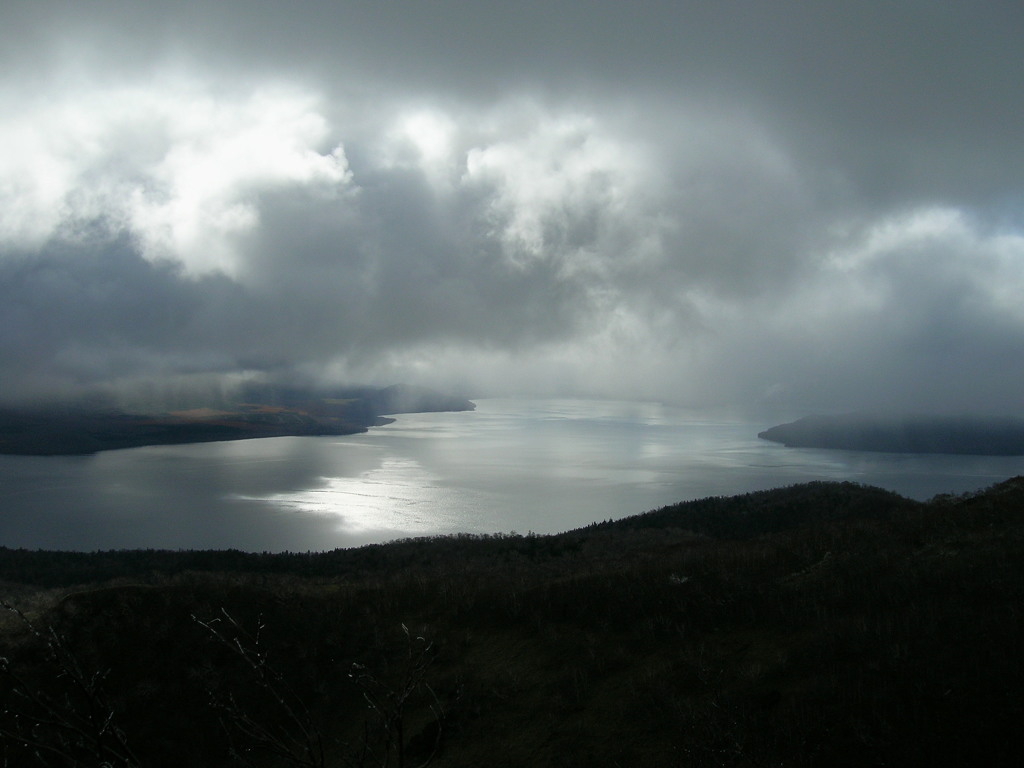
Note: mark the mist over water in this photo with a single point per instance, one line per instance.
(512, 465)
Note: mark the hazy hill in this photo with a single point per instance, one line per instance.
(904, 434)
(259, 411)
(822, 624)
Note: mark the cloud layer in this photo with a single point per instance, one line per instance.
(709, 203)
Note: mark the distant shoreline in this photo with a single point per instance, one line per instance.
(969, 436)
(75, 431)
(89, 435)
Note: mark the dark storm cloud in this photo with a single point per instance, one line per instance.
(90, 313)
(785, 203)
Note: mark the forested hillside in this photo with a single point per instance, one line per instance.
(823, 624)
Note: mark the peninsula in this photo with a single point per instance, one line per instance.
(258, 411)
(980, 436)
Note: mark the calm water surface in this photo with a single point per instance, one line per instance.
(512, 465)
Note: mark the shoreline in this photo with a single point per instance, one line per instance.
(67, 430)
(962, 436)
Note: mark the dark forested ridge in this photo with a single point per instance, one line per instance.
(822, 624)
(904, 434)
(258, 411)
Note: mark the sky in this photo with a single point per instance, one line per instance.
(787, 205)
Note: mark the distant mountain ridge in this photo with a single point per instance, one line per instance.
(979, 436)
(258, 411)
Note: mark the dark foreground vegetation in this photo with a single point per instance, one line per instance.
(965, 435)
(822, 624)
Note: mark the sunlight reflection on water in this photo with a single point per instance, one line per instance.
(400, 495)
(545, 466)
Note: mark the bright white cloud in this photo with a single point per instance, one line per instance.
(563, 188)
(178, 166)
(426, 140)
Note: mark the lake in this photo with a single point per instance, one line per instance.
(512, 465)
